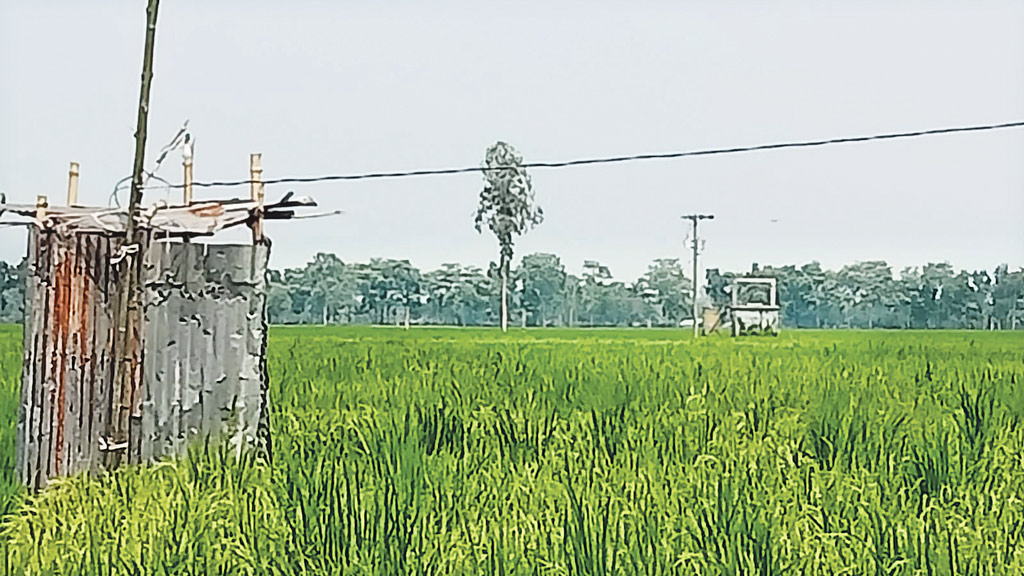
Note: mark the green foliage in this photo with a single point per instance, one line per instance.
(667, 289)
(507, 209)
(461, 451)
(12, 279)
(507, 206)
(540, 281)
(457, 295)
(386, 291)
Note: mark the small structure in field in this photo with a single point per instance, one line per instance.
(197, 363)
(711, 321)
(755, 306)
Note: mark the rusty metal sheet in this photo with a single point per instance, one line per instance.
(68, 396)
(37, 378)
(47, 359)
(59, 364)
(201, 369)
(91, 312)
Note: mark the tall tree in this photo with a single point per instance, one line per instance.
(719, 287)
(597, 278)
(541, 280)
(12, 291)
(666, 290)
(390, 286)
(507, 208)
(573, 286)
(331, 287)
(866, 291)
(440, 286)
(279, 299)
(1008, 297)
(938, 294)
(974, 294)
(456, 294)
(793, 292)
(470, 299)
(812, 297)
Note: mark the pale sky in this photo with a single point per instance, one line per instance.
(346, 87)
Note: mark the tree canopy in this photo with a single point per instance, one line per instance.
(870, 294)
(506, 207)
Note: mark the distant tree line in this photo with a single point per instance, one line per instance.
(870, 295)
(541, 293)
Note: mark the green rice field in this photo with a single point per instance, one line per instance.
(564, 452)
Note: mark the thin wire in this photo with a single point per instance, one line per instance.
(610, 159)
(121, 185)
(317, 215)
(175, 143)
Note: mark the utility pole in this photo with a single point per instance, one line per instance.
(125, 376)
(694, 218)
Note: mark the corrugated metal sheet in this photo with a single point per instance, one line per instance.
(204, 328)
(202, 366)
(68, 355)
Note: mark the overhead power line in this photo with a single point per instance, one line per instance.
(611, 159)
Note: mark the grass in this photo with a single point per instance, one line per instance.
(465, 451)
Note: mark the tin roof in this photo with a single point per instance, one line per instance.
(197, 219)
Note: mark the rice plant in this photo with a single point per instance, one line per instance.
(598, 452)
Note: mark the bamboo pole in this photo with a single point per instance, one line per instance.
(256, 193)
(41, 205)
(73, 184)
(124, 385)
(187, 165)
